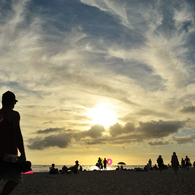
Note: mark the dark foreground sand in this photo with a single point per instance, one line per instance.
(109, 182)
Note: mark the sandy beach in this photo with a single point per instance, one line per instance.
(109, 182)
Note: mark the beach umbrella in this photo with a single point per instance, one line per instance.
(121, 163)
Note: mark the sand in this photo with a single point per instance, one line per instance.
(109, 182)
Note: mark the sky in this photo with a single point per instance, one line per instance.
(101, 78)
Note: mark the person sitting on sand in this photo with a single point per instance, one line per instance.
(64, 169)
(75, 167)
(53, 170)
(160, 163)
(155, 167)
(147, 167)
(174, 162)
(81, 168)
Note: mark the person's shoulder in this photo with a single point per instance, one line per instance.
(14, 115)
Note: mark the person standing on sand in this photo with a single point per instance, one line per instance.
(150, 163)
(100, 163)
(183, 164)
(160, 163)
(187, 162)
(11, 140)
(105, 163)
(174, 162)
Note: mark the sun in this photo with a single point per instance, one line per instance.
(102, 115)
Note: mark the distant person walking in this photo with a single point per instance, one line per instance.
(160, 163)
(11, 141)
(105, 163)
(187, 162)
(183, 164)
(174, 162)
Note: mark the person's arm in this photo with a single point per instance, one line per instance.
(18, 135)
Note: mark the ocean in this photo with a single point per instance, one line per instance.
(45, 168)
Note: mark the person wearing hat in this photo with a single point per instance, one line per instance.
(11, 140)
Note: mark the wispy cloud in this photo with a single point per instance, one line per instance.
(63, 58)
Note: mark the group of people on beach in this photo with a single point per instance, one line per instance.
(185, 163)
(65, 170)
(102, 164)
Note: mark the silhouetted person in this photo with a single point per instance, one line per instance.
(155, 167)
(194, 164)
(174, 162)
(11, 140)
(160, 163)
(150, 163)
(64, 169)
(53, 170)
(100, 163)
(183, 164)
(187, 162)
(117, 168)
(81, 168)
(74, 169)
(105, 163)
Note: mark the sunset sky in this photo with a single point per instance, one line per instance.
(101, 78)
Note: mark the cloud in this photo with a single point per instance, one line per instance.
(136, 55)
(50, 130)
(94, 143)
(159, 129)
(60, 140)
(188, 109)
(185, 139)
(118, 129)
(119, 135)
(63, 140)
(147, 130)
(95, 131)
(148, 112)
(159, 143)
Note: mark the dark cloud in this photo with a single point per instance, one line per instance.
(50, 130)
(147, 130)
(185, 139)
(95, 131)
(158, 143)
(119, 135)
(188, 109)
(63, 140)
(159, 129)
(60, 140)
(94, 142)
(118, 129)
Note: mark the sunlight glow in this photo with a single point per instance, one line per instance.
(102, 115)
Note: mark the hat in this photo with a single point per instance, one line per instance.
(8, 98)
